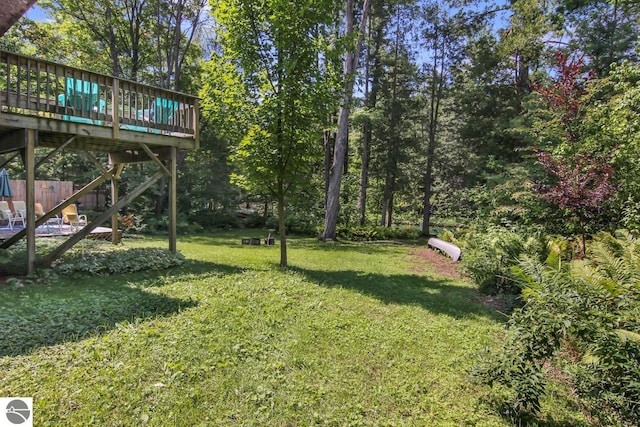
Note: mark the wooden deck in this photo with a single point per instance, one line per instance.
(83, 110)
(65, 230)
(56, 107)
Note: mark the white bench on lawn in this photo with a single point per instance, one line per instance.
(449, 248)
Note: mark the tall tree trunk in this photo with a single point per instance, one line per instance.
(370, 103)
(364, 172)
(340, 150)
(394, 141)
(327, 143)
(437, 88)
(113, 45)
(281, 224)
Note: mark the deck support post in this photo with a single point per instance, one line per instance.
(84, 232)
(114, 218)
(173, 189)
(31, 136)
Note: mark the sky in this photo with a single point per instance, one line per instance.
(37, 13)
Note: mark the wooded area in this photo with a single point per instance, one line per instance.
(513, 125)
(447, 110)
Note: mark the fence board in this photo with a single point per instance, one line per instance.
(48, 193)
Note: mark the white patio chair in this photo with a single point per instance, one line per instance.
(5, 214)
(20, 212)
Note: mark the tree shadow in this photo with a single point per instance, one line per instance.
(38, 316)
(190, 268)
(436, 295)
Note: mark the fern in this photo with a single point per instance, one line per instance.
(592, 309)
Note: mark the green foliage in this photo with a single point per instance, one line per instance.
(489, 255)
(373, 233)
(268, 67)
(160, 225)
(233, 339)
(102, 260)
(582, 321)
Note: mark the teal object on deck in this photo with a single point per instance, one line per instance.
(164, 109)
(161, 112)
(81, 95)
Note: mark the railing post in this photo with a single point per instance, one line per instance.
(115, 108)
(196, 121)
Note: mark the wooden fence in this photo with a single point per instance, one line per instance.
(51, 193)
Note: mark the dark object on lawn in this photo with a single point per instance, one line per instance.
(449, 248)
(269, 241)
(251, 241)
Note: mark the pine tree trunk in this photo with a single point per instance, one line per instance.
(340, 150)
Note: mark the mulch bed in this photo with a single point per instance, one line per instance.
(426, 259)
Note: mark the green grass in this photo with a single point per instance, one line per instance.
(348, 335)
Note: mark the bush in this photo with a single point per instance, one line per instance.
(489, 256)
(377, 233)
(161, 225)
(116, 260)
(13, 260)
(585, 322)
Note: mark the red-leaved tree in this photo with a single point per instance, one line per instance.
(580, 183)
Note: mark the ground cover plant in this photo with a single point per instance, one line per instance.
(349, 334)
(580, 321)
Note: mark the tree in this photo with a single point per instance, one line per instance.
(398, 107)
(582, 182)
(442, 36)
(373, 71)
(270, 54)
(582, 185)
(606, 32)
(351, 58)
(144, 40)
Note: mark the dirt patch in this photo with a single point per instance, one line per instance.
(426, 259)
(503, 305)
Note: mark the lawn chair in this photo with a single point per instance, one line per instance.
(52, 221)
(160, 112)
(81, 96)
(70, 216)
(5, 214)
(39, 210)
(20, 212)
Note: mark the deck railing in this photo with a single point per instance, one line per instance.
(35, 87)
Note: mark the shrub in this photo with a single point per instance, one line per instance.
(584, 321)
(116, 260)
(489, 256)
(377, 233)
(14, 259)
(161, 225)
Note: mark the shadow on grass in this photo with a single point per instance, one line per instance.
(190, 268)
(37, 316)
(436, 295)
(73, 309)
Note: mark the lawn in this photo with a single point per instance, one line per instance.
(350, 334)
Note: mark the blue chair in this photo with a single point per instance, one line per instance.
(161, 112)
(81, 95)
(164, 109)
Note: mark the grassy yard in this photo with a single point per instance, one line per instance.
(348, 335)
